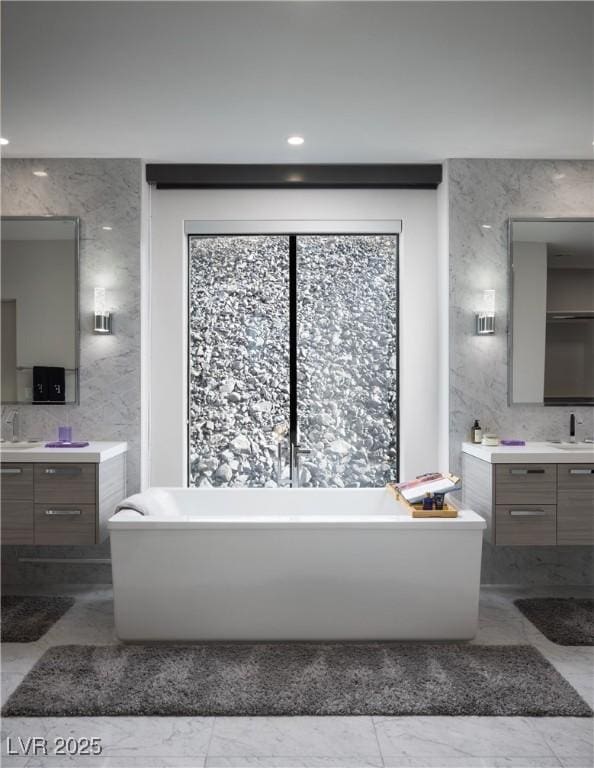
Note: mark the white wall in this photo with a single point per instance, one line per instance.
(167, 439)
(443, 323)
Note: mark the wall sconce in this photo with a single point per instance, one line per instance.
(102, 317)
(485, 319)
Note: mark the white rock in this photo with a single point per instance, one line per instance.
(340, 447)
(228, 386)
(241, 444)
(224, 472)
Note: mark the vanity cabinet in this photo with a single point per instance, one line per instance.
(63, 502)
(529, 502)
(575, 504)
(17, 503)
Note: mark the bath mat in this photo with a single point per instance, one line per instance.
(294, 679)
(563, 620)
(26, 618)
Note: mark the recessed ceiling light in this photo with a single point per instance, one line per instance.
(487, 226)
(41, 174)
(558, 176)
(295, 141)
(107, 229)
(4, 142)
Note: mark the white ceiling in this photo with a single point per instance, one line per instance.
(363, 82)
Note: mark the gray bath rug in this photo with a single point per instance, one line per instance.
(294, 679)
(564, 620)
(26, 618)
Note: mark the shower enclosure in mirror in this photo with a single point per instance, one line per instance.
(293, 350)
(39, 332)
(551, 340)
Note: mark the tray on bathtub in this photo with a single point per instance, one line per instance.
(416, 510)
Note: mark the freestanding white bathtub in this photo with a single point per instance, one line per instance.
(294, 564)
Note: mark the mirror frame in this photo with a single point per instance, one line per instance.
(76, 221)
(510, 305)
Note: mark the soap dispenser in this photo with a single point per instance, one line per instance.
(476, 432)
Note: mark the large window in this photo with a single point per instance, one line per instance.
(293, 360)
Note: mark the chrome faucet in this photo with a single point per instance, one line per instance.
(13, 420)
(572, 427)
(296, 452)
(573, 420)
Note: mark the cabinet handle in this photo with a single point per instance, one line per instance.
(63, 471)
(581, 471)
(11, 471)
(527, 471)
(527, 512)
(68, 512)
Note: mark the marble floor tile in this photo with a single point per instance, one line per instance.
(116, 762)
(293, 762)
(17, 660)
(567, 736)
(471, 762)
(88, 621)
(294, 737)
(309, 742)
(575, 762)
(500, 631)
(568, 660)
(584, 685)
(459, 737)
(130, 736)
(12, 761)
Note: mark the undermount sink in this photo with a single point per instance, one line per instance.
(19, 445)
(574, 446)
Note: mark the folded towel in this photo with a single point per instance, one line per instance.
(56, 385)
(40, 383)
(154, 502)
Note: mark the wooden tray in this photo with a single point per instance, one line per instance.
(416, 510)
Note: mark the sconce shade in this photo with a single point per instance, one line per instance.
(485, 324)
(102, 317)
(102, 323)
(485, 319)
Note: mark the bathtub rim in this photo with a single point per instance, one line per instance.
(128, 519)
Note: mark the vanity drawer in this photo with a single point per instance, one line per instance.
(575, 476)
(526, 524)
(525, 484)
(17, 522)
(65, 524)
(65, 483)
(575, 517)
(16, 480)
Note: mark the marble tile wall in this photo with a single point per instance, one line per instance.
(484, 191)
(101, 192)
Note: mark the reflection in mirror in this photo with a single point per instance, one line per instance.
(39, 309)
(552, 323)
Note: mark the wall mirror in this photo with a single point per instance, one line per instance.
(551, 328)
(40, 327)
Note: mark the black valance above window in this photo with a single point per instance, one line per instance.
(300, 176)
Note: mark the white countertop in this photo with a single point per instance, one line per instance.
(94, 453)
(531, 453)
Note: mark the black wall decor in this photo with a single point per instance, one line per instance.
(300, 176)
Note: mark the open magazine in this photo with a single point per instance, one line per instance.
(434, 482)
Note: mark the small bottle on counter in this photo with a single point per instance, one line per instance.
(476, 432)
(428, 501)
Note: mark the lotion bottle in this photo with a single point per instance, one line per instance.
(476, 432)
